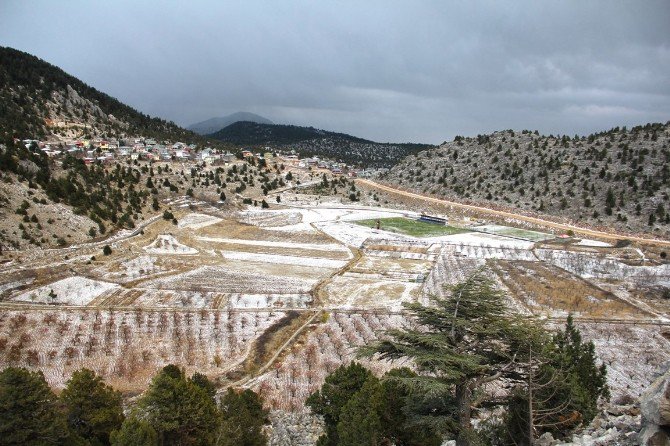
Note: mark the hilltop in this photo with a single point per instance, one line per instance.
(215, 124)
(39, 100)
(309, 141)
(619, 178)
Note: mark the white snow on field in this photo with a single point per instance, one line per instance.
(481, 239)
(197, 221)
(75, 290)
(594, 243)
(285, 260)
(290, 245)
(301, 219)
(167, 244)
(588, 265)
(355, 235)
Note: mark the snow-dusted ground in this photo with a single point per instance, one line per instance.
(285, 260)
(197, 221)
(481, 239)
(220, 279)
(75, 290)
(127, 348)
(593, 243)
(588, 265)
(289, 245)
(167, 244)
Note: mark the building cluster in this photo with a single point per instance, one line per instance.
(108, 150)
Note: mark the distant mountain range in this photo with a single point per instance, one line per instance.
(215, 124)
(309, 141)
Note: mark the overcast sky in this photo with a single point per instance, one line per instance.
(420, 71)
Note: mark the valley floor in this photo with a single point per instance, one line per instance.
(276, 299)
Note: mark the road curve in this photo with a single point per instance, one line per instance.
(505, 214)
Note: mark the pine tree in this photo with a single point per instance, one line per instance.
(335, 393)
(242, 419)
(29, 411)
(463, 342)
(180, 411)
(93, 408)
(134, 432)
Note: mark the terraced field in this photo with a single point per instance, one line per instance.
(275, 300)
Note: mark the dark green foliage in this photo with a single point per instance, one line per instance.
(29, 410)
(180, 411)
(134, 432)
(308, 141)
(464, 342)
(377, 413)
(339, 387)
(93, 409)
(566, 386)
(578, 358)
(242, 419)
(204, 383)
(107, 250)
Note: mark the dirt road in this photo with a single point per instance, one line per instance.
(505, 214)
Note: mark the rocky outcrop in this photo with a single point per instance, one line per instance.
(655, 407)
(294, 428)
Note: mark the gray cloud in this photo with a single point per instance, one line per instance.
(385, 70)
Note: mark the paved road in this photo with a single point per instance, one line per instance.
(505, 214)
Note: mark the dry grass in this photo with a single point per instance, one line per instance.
(545, 289)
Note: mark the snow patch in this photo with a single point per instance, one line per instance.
(75, 290)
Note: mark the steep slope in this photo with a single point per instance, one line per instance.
(38, 100)
(619, 178)
(215, 124)
(308, 141)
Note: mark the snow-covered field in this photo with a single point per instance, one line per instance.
(196, 221)
(199, 296)
(75, 290)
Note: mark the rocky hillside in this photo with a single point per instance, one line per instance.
(619, 178)
(308, 141)
(38, 100)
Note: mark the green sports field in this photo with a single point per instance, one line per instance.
(411, 227)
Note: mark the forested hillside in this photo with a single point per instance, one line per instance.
(618, 178)
(308, 141)
(38, 99)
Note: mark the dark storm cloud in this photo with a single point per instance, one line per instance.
(388, 71)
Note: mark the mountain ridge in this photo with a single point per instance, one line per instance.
(38, 100)
(212, 125)
(308, 141)
(618, 178)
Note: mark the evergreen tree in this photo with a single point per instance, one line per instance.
(242, 419)
(562, 387)
(29, 411)
(134, 432)
(335, 393)
(464, 342)
(181, 412)
(360, 421)
(93, 408)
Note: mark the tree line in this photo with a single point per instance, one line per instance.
(175, 410)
